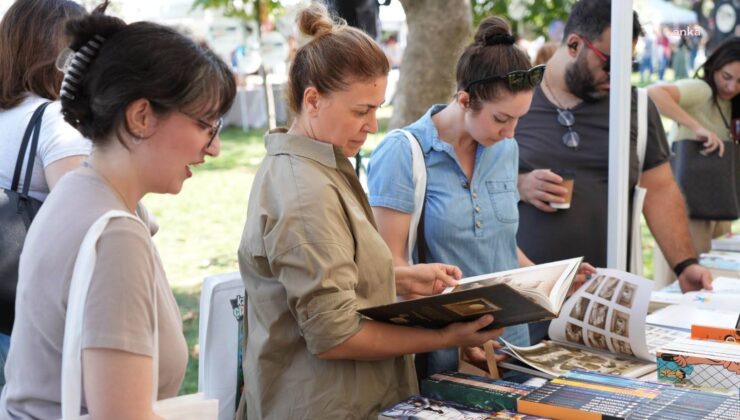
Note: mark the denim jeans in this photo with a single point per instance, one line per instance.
(4, 347)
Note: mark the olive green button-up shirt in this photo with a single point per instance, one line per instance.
(310, 257)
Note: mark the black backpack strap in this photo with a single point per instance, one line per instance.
(34, 126)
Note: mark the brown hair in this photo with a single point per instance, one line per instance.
(31, 37)
(336, 56)
(727, 52)
(545, 52)
(485, 58)
(139, 61)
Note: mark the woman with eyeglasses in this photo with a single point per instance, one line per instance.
(469, 214)
(149, 128)
(706, 109)
(311, 256)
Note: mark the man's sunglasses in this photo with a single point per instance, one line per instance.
(517, 79)
(606, 59)
(571, 139)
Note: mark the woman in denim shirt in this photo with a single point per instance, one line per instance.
(470, 214)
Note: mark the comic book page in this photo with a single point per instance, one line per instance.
(607, 314)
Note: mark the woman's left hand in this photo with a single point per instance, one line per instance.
(426, 279)
(711, 142)
(585, 271)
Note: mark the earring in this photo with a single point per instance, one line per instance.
(137, 138)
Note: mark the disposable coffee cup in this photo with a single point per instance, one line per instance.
(568, 181)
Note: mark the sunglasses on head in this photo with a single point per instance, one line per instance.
(517, 79)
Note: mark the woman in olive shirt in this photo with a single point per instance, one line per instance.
(311, 256)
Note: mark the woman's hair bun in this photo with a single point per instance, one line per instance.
(491, 27)
(82, 30)
(315, 20)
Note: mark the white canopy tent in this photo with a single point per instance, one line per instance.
(661, 12)
(619, 133)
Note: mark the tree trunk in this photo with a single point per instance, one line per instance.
(438, 32)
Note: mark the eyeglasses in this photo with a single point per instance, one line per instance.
(605, 58)
(214, 129)
(517, 79)
(571, 139)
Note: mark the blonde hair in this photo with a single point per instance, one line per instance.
(334, 56)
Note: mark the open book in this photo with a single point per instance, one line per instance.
(513, 297)
(601, 328)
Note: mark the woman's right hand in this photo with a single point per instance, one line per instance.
(469, 334)
(711, 141)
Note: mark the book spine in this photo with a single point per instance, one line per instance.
(484, 399)
(555, 412)
(584, 399)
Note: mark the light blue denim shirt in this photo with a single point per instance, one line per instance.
(472, 225)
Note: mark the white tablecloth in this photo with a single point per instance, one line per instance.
(249, 110)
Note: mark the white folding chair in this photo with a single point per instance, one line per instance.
(220, 335)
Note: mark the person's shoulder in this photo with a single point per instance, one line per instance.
(298, 179)
(693, 92)
(395, 146)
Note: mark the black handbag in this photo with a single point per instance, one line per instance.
(17, 210)
(710, 184)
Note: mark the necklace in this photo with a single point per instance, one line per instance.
(546, 85)
(110, 185)
(724, 119)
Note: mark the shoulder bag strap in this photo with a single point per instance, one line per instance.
(642, 112)
(34, 125)
(78, 289)
(419, 176)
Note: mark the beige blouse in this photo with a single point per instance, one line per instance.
(310, 257)
(119, 313)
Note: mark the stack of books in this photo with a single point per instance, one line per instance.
(699, 363)
(721, 263)
(729, 242)
(474, 391)
(581, 395)
(418, 407)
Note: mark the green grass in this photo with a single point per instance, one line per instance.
(200, 228)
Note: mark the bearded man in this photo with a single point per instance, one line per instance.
(567, 127)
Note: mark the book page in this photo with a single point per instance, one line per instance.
(557, 359)
(607, 314)
(538, 280)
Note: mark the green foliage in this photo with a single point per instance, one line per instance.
(246, 9)
(538, 15)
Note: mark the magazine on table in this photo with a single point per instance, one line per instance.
(718, 308)
(513, 297)
(601, 328)
(672, 294)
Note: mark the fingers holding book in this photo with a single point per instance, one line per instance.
(470, 334)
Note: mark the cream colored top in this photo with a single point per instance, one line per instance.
(119, 311)
(310, 257)
(696, 100)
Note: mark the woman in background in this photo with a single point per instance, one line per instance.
(471, 159)
(704, 110)
(31, 37)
